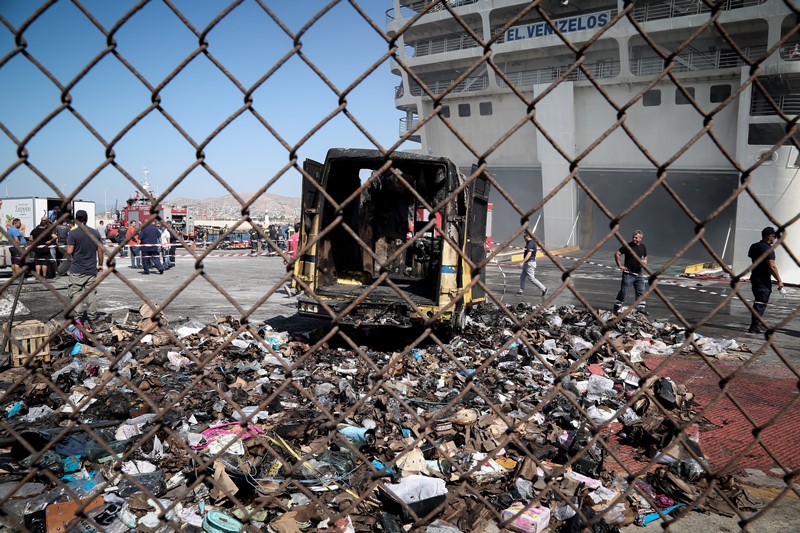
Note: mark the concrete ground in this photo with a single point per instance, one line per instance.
(226, 284)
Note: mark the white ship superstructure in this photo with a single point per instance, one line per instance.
(488, 115)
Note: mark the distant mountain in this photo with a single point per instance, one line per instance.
(280, 208)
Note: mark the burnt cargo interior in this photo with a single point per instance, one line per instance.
(384, 216)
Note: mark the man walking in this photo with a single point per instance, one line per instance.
(528, 266)
(87, 262)
(151, 242)
(761, 277)
(635, 254)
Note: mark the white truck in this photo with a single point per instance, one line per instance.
(30, 211)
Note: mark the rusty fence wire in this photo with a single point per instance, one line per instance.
(490, 415)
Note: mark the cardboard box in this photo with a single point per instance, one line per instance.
(532, 520)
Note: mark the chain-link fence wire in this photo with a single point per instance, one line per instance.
(283, 456)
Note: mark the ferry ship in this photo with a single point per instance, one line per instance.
(466, 81)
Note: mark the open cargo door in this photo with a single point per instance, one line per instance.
(87, 206)
(478, 214)
(305, 266)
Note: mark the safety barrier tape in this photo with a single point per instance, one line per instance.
(128, 252)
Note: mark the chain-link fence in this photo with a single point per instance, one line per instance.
(487, 412)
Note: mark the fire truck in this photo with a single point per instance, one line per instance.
(138, 208)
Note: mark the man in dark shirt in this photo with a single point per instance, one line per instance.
(64, 261)
(173, 243)
(151, 240)
(121, 236)
(635, 254)
(528, 266)
(44, 235)
(761, 276)
(85, 246)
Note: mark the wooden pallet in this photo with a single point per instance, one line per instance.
(28, 341)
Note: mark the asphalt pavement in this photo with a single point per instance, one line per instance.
(254, 287)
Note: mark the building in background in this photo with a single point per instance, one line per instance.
(578, 114)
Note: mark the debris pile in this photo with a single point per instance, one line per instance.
(227, 427)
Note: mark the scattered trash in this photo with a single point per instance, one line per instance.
(201, 424)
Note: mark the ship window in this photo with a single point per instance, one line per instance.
(445, 111)
(768, 134)
(651, 98)
(680, 98)
(464, 110)
(720, 93)
(486, 108)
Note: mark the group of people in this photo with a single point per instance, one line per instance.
(631, 259)
(80, 249)
(72, 244)
(152, 246)
(275, 237)
(48, 254)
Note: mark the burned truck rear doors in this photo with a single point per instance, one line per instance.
(386, 242)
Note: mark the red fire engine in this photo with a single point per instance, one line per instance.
(138, 208)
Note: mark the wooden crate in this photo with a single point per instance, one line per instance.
(28, 339)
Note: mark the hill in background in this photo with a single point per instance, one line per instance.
(280, 208)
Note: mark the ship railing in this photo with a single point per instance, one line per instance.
(407, 125)
(692, 61)
(451, 43)
(661, 9)
(788, 103)
(600, 69)
(410, 10)
(476, 83)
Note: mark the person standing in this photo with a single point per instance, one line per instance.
(42, 252)
(764, 270)
(528, 266)
(164, 241)
(18, 243)
(273, 239)
(85, 246)
(122, 234)
(253, 233)
(64, 261)
(151, 242)
(635, 254)
(173, 243)
(133, 242)
(293, 242)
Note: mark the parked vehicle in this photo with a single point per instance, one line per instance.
(29, 211)
(406, 272)
(236, 240)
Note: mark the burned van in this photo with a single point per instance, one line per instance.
(390, 241)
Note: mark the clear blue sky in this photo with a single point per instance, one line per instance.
(247, 42)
